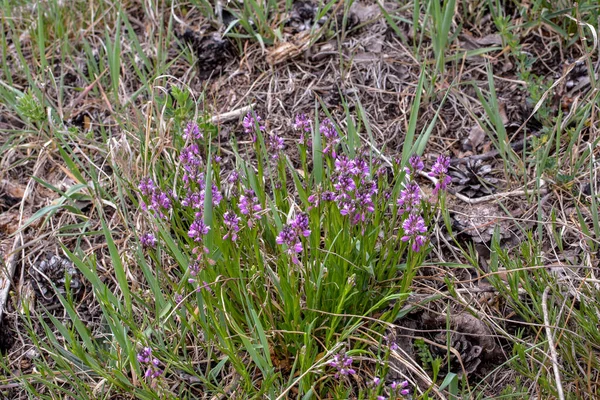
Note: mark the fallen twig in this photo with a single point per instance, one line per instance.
(231, 115)
(7, 272)
(553, 354)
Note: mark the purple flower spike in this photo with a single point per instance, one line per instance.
(198, 229)
(416, 164)
(409, 199)
(439, 170)
(250, 207)
(251, 120)
(302, 123)
(330, 135)
(342, 363)
(192, 131)
(151, 364)
(148, 240)
(289, 237)
(231, 221)
(147, 186)
(413, 227)
(275, 144)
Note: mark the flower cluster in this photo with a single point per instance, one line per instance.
(232, 223)
(191, 161)
(198, 229)
(330, 137)
(303, 124)
(250, 122)
(395, 389)
(355, 191)
(250, 206)
(275, 144)
(192, 131)
(291, 235)
(409, 202)
(195, 199)
(154, 199)
(343, 364)
(439, 170)
(148, 240)
(151, 364)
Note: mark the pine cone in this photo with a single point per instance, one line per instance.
(470, 353)
(212, 50)
(54, 270)
(473, 179)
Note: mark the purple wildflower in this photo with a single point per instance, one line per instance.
(146, 186)
(301, 225)
(275, 144)
(328, 196)
(159, 202)
(330, 135)
(250, 207)
(233, 178)
(251, 120)
(343, 364)
(400, 388)
(231, 221)
(192, 131)
(148, 240)
(302, 123)
(410, 199)
(151, 364)
(415, 164)
(198, 229)
(381, 398)
(289, 237)
(345, 183)
(439, 170)
(413, 227)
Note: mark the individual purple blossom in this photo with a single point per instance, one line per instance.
(413, 228)
(381, 397)
(410, 199)
(192, 131)
(275, 144)
(376, 381)
(198, 229)
(231, 221)
(148, 240)
(250, 206)
(251, 120)
(439, 170)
